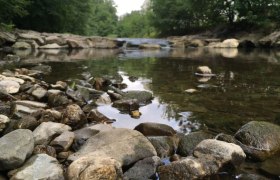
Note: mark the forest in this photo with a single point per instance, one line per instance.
(160, 18)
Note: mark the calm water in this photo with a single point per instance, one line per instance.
(246, 88)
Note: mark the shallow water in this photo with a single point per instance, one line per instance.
(246, 88)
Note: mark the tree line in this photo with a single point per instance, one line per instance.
(159, 18)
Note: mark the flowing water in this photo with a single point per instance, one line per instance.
(246, 86)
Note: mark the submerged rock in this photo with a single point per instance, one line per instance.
(259, 139)
(124, 145)
(126, 105)
(155, 129)
(40, 166)
(15, 148)
(142, 97)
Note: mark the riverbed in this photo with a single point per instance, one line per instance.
(246, 86)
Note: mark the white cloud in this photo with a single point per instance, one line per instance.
(126, 6)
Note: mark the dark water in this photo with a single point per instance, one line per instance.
(246, 88)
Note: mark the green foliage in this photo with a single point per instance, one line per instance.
(136, 24)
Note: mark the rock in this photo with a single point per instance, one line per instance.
(246, 43)
(26, 122)
(204, 70)
(18, 80)
(191, 91)
(271, 166)
(189, 142)
(59, 85)
(143, 97)
(74, 116)
(228, 43)
(269, 40)
(52, 46)
(63, 142)
(32, 36)
(45, 149)
(40, 166)
(95, 116)
(165, 145)
(95, 167)
(50, 115)
(7, 37)
(57, 99)
(221, 152)
(155, 129)
(126, 105)
(44, 69)
(103, 99)
(259, 139)
(31, 104)
(82, 135)
(21, 45)
(4, 121)
(39, 92)
(77, 43)
(188, 168)
(11, 87)
(55, 40)
(149, 46)
(210, 157)
(21, 110)
(15, 148)
(135, 114)
(124, 145)
(45, 132)
(144, 169)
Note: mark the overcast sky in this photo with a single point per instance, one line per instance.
(126, 6)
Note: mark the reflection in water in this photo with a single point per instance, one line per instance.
(247, 85)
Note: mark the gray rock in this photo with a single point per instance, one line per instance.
(57, 99)
(144, 169)
(165, 145)
(155, 129)
(15, 147)
(4, 121)
(26, 122)
(189, 142)
(9, 86)
(93, 166)
(124, 145)
(45, 149)
(40, 166)
(7, 37)
(39, 92)
(63, 142)
(74, 116)
(259, 139)
(126, 105)
(32, 36)
(103, 99)
(143, 97)
(46, 131)
(221, 152)
(52, 46)
(95, 116)
(22, 45)
(31, 104)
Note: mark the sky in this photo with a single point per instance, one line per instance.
(126, 6)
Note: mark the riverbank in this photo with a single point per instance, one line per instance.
(57, 129)
(23, 39)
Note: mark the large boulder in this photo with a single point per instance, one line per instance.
(6, 37)
(22, 45)
(188, 142)
(32, 36)
(93, 166)
(46, 131)
(40, 166)
(209, 157)
(124, 145)
(15, 148)
(220, 151)
(155, 129)
(228, 43)
(259, 139)
(144, 169)
(269, 40)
